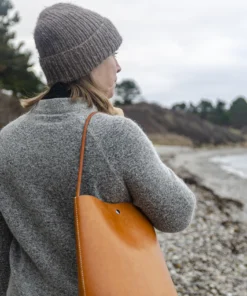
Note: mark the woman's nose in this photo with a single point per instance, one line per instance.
(118, 68)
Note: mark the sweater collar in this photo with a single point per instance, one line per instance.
(57, 100)
(62, 105)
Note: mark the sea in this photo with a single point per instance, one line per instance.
(234, 164)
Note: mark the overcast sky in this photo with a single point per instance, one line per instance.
(175, 50)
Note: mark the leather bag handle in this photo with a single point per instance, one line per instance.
(83, 143)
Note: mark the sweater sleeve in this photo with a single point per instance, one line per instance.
(159, 193)
(5, 241)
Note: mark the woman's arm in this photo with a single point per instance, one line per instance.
(161, 195)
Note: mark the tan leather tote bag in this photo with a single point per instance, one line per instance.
(117, 250)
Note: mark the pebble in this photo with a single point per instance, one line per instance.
(210, 256)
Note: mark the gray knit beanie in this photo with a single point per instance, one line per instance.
(72, 41)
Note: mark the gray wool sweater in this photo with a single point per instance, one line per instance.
(38, 172)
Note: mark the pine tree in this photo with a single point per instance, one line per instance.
(128, 91)
(15, 68)
(238, 113)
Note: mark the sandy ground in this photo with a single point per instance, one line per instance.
(196, 161)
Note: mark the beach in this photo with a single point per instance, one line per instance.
(210, 256)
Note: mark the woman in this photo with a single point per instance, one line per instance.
(40, 156)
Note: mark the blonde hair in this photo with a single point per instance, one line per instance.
(83, 89)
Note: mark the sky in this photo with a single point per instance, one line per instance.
(176, 51)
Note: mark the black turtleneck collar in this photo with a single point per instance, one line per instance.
(58, 90)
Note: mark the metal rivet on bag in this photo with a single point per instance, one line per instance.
(117, 211)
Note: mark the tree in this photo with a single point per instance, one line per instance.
(192, 109)
(179, 107)
(238, 113)
(220, 114)
(128, 91)
(15, 67)
(205, 109)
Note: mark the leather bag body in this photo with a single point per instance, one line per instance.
(118, 253)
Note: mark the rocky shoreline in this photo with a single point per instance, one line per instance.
(210, 256)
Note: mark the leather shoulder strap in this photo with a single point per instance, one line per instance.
(83, 143)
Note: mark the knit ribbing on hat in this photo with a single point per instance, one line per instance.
(72, 41)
